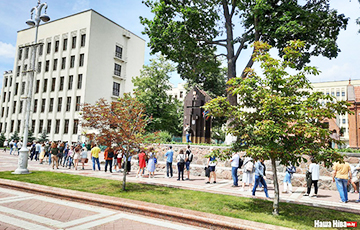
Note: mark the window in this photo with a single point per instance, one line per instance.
(0, 127)
(47, 65)
(344, 121)
(43, 101)
(65, 44)
(343, 93)
(37, 86)
(18, 71)
(20, 106)
(72, 61)
(71, 78)
(14, 107)
(116, 89)
(10, 81)
(18, 126)
(26, 53)
(66, 126)
(48, 50)
(33, 126)
(61, 86)
(118, 52)
(39, 67)
(117, 70)
(63, 63)
(5, 126)
(57, 46)
(55, 64)
(68, 103)
(4, 98)
(35, 105)
(332, 94)
(48, 127)
(83, 38)
(41, 125)
(81, 60)
(16, 88)
(24, 70)
(20, 54)
(77, 106)
(181, 94)
(73, 44)
(22, 88)
(338, 94)
(7, 111)
(76, 125)
(45, 85)
(9, 96)
(2, 111)
(12, 126)
(51, 105)
(53, 82)
(57, 126)
(79, 83)
(59, 104)
(6, 81)
(41, 48)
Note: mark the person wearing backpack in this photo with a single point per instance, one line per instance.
(108, 156)
(248, 173)
(180, 163)
(188, 159)
(234, 168)
(290, 170)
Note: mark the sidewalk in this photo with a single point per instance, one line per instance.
(326, 198)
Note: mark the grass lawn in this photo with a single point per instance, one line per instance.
(291, 215)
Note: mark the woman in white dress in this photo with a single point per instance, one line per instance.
(248, 173)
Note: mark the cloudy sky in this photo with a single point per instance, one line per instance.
(13, 15)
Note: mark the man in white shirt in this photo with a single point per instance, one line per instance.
(19, 145)
(234, 168)
(6, 143)
(314, 169)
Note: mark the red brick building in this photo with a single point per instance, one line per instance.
(353, 96)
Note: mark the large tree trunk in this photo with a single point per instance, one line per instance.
(276, 188)
(125, 171)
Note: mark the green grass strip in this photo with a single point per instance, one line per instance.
(291, 215)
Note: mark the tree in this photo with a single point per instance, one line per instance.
(15, 136)
(151, 90)
(2, 139)
(31, 137)
(119, 123)
(285, 120)
(188, 32)
(43, 137)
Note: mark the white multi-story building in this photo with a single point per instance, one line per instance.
(81, 58)
(179, 92)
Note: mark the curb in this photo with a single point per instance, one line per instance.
(195, 218)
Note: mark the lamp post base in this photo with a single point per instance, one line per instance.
(23, 161)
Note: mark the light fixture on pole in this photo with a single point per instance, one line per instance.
(24, 151)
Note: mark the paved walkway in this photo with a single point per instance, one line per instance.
(326, 198)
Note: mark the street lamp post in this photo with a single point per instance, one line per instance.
(24, 151)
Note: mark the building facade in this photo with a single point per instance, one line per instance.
(178, 92)
(80, 59)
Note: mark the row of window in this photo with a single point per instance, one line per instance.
(56, 46)
(55, 65)
(41, 126)
(43, 106)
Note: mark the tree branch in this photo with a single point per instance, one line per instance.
(233, 8)
(218, 42)
(242, 43)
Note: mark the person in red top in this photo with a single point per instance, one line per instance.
(108, 156)
(142, 163)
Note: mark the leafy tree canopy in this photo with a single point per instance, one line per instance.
(43, 137)
(189, 32)
(278, 117)
(15, 136)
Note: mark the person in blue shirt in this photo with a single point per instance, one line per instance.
(169, 159)
(259, 177)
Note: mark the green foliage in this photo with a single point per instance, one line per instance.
(158, 137)
(2, 139)
(31, 137)
(15, 136)
(151, 90)
(43, 137)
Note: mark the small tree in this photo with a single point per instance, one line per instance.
(2, 139)
(15, 136)
(121, 123)
(285, 122)
(31, 137)
(43, 137)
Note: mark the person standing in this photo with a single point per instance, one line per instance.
(6, 143)
(180, 164)
(142, 164)
(77, 152)
(259, 177)
(95, 156)
(151, 163)
(54, 155)
(248, 173)
(83, 157)
(11, 144)
(19, 145)
(119, 158)
(188, 132)
(70, 156)
(108, 156)
(212, 164)
(188, 159)
(290, 170)
(341, 177)
(61, 152)
(314, 169)
(169, 159)
(42, 153)
(234, 168)
(37, 150)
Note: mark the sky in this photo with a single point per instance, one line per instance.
(13, 15)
